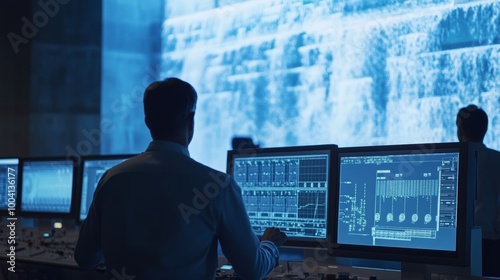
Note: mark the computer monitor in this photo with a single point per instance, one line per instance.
(9, 168)
(91, 169)
(287, 188)
(407, 203)
(47, 186)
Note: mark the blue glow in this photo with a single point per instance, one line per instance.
(284, 72)
(346, 72)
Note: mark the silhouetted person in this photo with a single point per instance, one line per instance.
(160, 215)
(472, 124)
(243, 143)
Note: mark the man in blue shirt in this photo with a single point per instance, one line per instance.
(161, 214)
(472, 124)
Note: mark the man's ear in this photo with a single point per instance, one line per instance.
(190, 127)
(190, 120)
(461, 134)
(190, 116)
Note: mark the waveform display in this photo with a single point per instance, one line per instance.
(47, 186)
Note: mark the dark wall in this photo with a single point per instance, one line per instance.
(14, 80)
(50, 75)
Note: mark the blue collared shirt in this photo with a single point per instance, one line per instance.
(161, 214)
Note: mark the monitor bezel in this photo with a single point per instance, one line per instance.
(5, 212)
(331, 148)
(44, 214)
(79, 184)
(466, 185)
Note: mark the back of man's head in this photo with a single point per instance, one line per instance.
(167, 105)
(472, 124)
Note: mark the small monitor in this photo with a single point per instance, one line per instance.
(408, 203)
(47, 186)
(92, 168)
(287, 188)
(9, 168)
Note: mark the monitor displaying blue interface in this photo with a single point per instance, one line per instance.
(8, 182)
(399, 200)
(407, 203)
(285, 188)
(93, 169)
(47, 185)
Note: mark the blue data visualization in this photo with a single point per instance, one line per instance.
(288, 191)
(47, 186)
(399, 200)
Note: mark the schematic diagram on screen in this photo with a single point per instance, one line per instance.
(391, 199)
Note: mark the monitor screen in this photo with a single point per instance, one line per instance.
(401, 197)
(8, 182)
(47, 185)
(286, 188)
(92, 170)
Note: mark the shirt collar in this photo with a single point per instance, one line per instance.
(167, 146)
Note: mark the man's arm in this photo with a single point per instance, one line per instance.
(88, 251)
(251, 258)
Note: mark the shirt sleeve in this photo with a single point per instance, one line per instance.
(88, 250)
(250, 258)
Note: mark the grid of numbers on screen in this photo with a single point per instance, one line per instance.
(285, 191)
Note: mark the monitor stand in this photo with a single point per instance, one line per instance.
(416, 271)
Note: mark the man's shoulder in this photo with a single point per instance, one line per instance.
(489, 159)
(134, 162)
(184, 166)
(492, 153)
(202, 169)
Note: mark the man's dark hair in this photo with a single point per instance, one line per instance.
(473, 121)
(167, 104)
